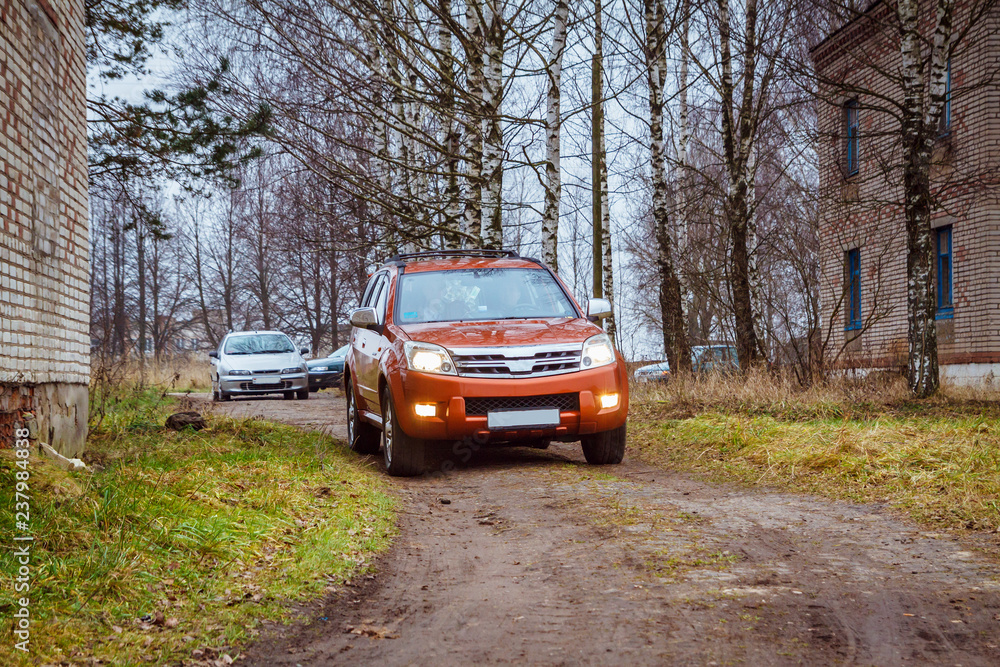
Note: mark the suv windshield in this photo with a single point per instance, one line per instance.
(480, 294)
(259, 344)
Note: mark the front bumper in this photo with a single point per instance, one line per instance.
(243, 384)
(326, 378)
(449, 394)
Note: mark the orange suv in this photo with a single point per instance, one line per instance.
(484, 346)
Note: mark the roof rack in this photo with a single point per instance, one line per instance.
(453, 253)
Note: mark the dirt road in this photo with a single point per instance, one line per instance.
(524, 555)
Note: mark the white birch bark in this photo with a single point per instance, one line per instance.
(474, 120)
(922, 108)
(449, 128)
(493, 146)
(675, 343)
(553, 125)
(607, 274)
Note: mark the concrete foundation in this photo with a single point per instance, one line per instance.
(986, 376)
(60, 408)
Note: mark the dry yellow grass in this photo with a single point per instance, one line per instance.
(937, 459)
(182, 372)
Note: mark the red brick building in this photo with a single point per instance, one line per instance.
(44, 241)
(862, 226)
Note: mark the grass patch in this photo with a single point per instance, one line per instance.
(185, 541)
(941, 465)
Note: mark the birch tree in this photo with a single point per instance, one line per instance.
(553, 126)
(675, 341)
(493, 90)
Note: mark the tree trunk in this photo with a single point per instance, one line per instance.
(919, 130)
(675, 340)
(736, 145)
(553, 125)
(452, 138)
(493, 148)
(474, 121)
(140, 268)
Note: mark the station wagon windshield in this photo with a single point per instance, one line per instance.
(480, 294)
(259, 344)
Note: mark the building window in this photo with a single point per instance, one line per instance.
(851, 122)
(853, 261)
(945, 306)
(945, 126)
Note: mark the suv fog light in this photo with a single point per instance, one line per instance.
(609, 400)
(425, 409)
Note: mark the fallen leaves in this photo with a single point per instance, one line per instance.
(366, 629)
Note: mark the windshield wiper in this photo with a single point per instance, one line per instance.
(273, 352)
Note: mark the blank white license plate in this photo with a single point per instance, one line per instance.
(523, 418)
(267, 380)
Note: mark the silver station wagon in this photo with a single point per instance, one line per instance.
(253, 363)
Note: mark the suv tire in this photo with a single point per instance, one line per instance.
(404, 456)
(604, 447)
(362, 437)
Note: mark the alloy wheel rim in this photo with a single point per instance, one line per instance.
(387, 435)
(351, 411)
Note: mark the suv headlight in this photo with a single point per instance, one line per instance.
(234, 372)
(597, 352)
(428, 358)
(292, 370)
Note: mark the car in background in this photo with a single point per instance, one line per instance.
(479, 347)
(256, 363)
(653, 373)
(704, 359)
(328, 372)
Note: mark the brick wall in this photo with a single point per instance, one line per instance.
(865, 211)
(44, 244)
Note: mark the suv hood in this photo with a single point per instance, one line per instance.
(262, 362)
(503, 333)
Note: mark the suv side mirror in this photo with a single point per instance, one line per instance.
(364, 318)
(598, 309)
(213, 354)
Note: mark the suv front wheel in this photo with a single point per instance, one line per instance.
(605, 447)
(404, 456)
(362, 437)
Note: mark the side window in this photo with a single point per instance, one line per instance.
(945, 125)
(852, 262)
(382, 299)
(945, 305)
(851, 135)
(366, 300)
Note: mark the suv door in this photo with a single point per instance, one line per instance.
(369, 343)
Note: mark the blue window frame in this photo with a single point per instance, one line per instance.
(851, 121)
(853, 261)
(945, 305)
(946, 112)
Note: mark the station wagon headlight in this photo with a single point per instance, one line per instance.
(320, 368)
(597, 352)
(235, 372)
(428, 358)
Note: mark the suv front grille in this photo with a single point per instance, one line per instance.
(484, 405)
(514, 362)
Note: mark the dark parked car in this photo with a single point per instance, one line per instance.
(328, 372)
(704, 359)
